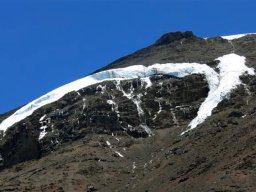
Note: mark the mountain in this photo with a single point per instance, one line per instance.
(175, 116)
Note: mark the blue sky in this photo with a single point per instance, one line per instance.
(45, 44)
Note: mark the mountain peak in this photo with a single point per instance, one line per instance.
(133, 119)
(174, 36)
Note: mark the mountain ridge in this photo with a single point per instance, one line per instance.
(95, 138)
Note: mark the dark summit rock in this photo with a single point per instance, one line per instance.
(179, 47)
(174, 36)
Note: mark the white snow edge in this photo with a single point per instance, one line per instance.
(238, 36)
(220, 85)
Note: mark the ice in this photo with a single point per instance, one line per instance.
(220, 85)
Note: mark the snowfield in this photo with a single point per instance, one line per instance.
(232, 37)
(231, 67)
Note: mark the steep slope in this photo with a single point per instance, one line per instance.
(126, 135)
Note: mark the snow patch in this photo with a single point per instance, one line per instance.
(84, 104)
(101, 88)
(114, 107)
(146, 128)
(133, 167)
(43, 132)
(108, 143)
(147, 81)
(159, 110)
(119, 154)
(42, 118)
(232, 37)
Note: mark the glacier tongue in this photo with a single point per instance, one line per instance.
(231, 67)
(220, 85)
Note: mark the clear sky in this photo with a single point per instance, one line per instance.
(45, 44)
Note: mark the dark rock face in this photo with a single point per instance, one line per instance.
(174, 36)
(97, 139)
(103, 109)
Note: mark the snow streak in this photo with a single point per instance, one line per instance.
(231, 68)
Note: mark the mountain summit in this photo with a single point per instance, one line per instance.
(174, 36)
(174, 113)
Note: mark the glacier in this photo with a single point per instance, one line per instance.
(231, 67)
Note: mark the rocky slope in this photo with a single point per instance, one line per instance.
(97, 138)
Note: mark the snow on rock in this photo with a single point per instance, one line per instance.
(220, 85)
(42, 118)
(114, 107)
(231, 67)
(159, 110)
(102, 88)
(136, 99)
(119, 154)
(43, 132)
(232, 37)
(108, 143)
(84, 104)
(147, 81)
